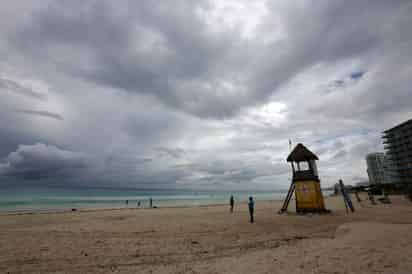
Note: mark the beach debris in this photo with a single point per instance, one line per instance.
(74, 209)
(194, 242)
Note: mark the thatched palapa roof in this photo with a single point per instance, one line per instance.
(300, 153)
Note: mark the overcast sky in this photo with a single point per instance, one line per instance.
(197, 94)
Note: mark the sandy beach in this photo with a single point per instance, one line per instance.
(375, 239)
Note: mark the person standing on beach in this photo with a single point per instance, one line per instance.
(251, 205)
(150, 202)
(232, 203)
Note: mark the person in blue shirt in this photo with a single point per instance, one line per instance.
(251, 205)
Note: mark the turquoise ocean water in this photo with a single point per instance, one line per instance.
(28, 199)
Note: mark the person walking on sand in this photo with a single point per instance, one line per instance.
(251, 205)
(232, 203)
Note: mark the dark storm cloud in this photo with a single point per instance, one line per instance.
(42, 113)
(40, 161)
(167, 51)
(162, 93)
(9, 140)
(163, 50)
(17, 88)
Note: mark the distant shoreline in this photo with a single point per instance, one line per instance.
(46, 200)
(98, 209)
(123, 207)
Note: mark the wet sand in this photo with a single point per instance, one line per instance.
(375, 239)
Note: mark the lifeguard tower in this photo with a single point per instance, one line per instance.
(305, 182)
